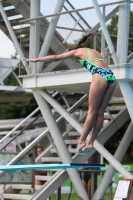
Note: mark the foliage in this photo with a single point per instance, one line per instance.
(113, 28)
(16, 109)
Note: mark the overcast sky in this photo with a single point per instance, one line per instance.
(7, 48)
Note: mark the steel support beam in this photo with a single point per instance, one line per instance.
(120, 152)
(103, 38)
(115, 163)
(60, 176)
(123, 31)
(61, 110)
(107, 133)
(122, 52)
(52, 66)
(13, 36)
(34, 33)
(60, 144)
(50, 34)
(80, 16)
(109, 16)
(55, 64)
(105, 31)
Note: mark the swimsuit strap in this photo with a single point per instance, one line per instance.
(95, 59)
(98, 59)
(87, 57)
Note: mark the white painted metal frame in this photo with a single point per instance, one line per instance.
(44, 108)
(74, 10)
(43, 97)
(72, 121)
(34, 33)
(97, 26)
(122, 52)
(50, 34)
(78, 127)
(55, 64)
(60, 144)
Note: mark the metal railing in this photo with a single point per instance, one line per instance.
(70, 11)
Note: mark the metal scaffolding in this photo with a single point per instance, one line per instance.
(44, 34)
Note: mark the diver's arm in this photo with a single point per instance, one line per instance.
(52, 58)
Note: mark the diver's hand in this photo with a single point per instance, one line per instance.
(30, 59)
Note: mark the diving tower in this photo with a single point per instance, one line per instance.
(44, 35)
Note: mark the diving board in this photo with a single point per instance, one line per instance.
(48, 166)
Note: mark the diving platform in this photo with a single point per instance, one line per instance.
(74, 80)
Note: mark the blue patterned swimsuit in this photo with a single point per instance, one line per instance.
(106, 73)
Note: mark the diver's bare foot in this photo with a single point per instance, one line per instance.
(81, 145)
(90, 145)
(87, 148)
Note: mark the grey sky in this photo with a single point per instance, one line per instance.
(8, 47)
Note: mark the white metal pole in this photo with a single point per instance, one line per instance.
(55, 64)
(105, 31)
(116, 164)
(60, 144)
(50, 34)
(123, 31)
(122, 52)
(61, 110)
(34, 33)
(103, 38)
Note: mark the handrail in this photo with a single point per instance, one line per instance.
(3, 147)
(14, 129)
(66, 12)
(34, 142)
